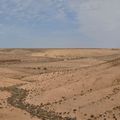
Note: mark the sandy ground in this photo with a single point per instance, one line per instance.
(61, 84)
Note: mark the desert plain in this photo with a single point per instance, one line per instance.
(60, 84)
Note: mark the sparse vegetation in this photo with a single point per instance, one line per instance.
(59, 84)
(17, 100)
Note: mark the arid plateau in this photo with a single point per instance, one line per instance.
(60, 84)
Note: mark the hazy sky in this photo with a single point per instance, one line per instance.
(60, 23)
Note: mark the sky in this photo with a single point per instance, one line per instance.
(59, 23)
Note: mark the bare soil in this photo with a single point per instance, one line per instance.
(59, 84)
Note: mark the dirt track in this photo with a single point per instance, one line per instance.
(59, 84)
